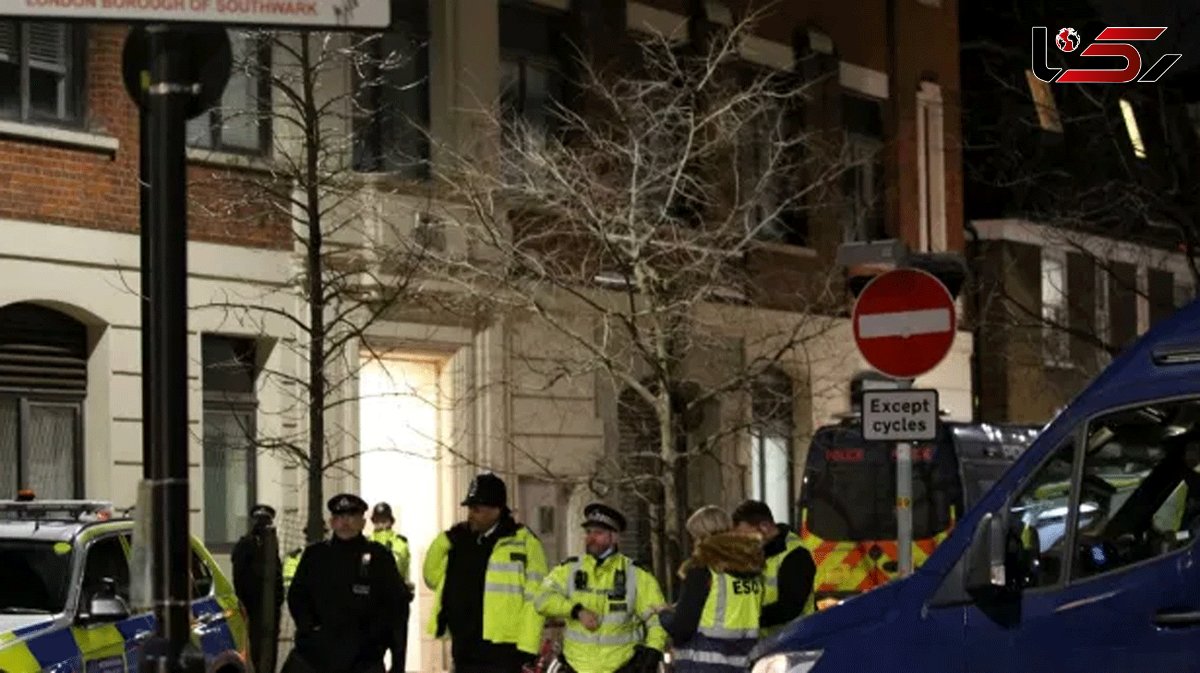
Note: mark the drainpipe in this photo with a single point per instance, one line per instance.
(976, 361)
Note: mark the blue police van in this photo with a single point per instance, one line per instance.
(1081, 558)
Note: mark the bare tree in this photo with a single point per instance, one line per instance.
(627, 228)
(352, 265)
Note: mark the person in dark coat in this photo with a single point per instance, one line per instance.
(258, 582)
(344, 597)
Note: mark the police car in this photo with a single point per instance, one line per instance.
(65, 603)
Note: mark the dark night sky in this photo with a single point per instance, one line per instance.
(1181, 17)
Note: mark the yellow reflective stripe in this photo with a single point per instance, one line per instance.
(575, 635)
(16, 657)
(702, 657)
(99, 642)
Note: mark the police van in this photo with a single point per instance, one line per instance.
(65, 603)
(848, 503)
(1081, 558)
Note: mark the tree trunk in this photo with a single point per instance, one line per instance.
(666, 564)
(315, 528)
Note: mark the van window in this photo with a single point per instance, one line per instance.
(851, 495)
(1140, 490)
(105, 561)
(1039, 517)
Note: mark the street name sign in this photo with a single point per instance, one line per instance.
(904, 322)
(899, 415)
(295, 14)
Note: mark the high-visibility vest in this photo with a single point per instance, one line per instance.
(771, 579)
(514, 576)
(624, 597)
(398, 545)
(728, 627)
(289, 567)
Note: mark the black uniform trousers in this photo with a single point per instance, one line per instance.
(399, 641)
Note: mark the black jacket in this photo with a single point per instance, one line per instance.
(796, 576)
(258, 575)
(344, 600)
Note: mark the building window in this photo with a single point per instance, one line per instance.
(1044, 104)
(43, 382)
(862, 182)
(781, 216)
(1103, 312)
(1131, 127)
(41, 72)
(241, 124)
(1056, 344)
(392, 98)
(230, 408)
(931, 167)
(532, 69)
(771, 443)
(640, 491)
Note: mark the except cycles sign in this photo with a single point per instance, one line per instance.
(345, 14)
(899, 415)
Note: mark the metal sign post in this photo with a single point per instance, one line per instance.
(901, 416)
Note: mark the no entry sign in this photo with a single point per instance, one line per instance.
(904, 323)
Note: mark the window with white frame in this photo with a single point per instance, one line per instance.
(931, 167)
(1056, 341)
(241, 122)
(42, 72)
(771, 443)
(782, 217)
(229, 457)
(862, 182)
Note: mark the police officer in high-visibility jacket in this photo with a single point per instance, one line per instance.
(610, 604)
(382, 521)
(790, 571)
(290, 563)
(485, 574)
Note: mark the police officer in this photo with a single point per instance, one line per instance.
(610, 604)
(344, 596)
(382, 522)
(485, 574)
(258, 582)
(790, 572)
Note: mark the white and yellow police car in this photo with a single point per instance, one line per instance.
(65, 603)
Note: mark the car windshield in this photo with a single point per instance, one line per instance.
(853, 498)
(36, 576)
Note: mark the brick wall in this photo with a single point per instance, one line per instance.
(97, 188)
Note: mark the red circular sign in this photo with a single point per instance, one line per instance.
(904, 323)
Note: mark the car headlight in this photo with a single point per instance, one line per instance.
(791, 662)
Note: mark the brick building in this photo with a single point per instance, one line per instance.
(69, 343)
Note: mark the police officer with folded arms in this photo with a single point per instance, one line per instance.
(344, 597)
(485, 574)
(610, 603)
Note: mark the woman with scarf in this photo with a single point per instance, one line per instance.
(714, 625)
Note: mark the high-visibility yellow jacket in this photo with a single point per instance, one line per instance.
(514, 576)
(622, 594)
(771, 579)
(398, 545)
(728, 627)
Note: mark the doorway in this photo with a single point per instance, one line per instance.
(399, 433)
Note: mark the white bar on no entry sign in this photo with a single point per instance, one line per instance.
(904, 323)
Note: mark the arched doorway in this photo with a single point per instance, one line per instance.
(43, 383)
